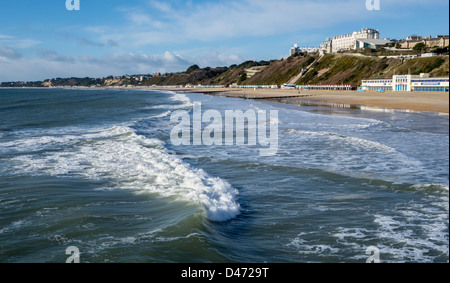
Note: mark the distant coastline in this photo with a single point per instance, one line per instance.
(264, 80)
(369, 100)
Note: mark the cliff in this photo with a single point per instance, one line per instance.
(300, 70)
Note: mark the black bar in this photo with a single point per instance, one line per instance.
(167, 272)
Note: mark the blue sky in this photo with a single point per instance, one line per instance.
(42, 39)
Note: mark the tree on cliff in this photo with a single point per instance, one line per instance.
(192, 69)
(420, 47)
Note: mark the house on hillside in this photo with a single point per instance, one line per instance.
(438, 41)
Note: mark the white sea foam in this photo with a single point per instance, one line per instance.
(171, 239)
(386, 110)
(14, 226)
(354, 141)
(36, 143)
(162, 115)
(354, 156)
(397, 235)
(401, 236)
(306, 247)
(135, 163)
(345, 234)
(178, 97)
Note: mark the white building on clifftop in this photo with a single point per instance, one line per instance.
(349, 41)
(296, 49)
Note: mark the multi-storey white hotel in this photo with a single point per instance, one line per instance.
(348, 41)
(365, 38)
(423, 82)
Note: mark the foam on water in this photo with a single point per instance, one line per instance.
(407, 241)
(353, 156)
(305, 248)
(354, 141)
(185, 102)
(13, 226)
(162, 115)
(179, 96)
(411, 232)
(134, 162)
(313, 215)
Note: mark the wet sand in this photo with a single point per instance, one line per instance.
(415, 101)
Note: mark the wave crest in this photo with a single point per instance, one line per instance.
(133, 162)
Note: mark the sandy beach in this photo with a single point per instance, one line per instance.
(413, 101)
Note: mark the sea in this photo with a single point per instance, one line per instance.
(96, 171)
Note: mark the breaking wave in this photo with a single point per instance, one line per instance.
(134, 162)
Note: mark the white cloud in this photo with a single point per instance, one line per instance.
(161, 6)
(140, 18)
(7, 53)
(53, 56)
(221, 20)
(173, 25)
(50, 64)
(20, 43)
(215, 59)
(85, 41)
(162, 23)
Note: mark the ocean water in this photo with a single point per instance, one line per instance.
(96, 169)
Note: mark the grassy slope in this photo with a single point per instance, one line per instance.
(343, 69)
(436, 66)
(280, 72)
(229, 77)
(331, 69)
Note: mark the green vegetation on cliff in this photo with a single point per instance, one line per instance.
(333, 69)
(301, 70)
(347, 69)
(280, 72)
(194, 76)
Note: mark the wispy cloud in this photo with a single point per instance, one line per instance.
(50, 64)
(88, 42)
(7, 54)
(162, 23)
(161, 6)
(53, 56)
(141, 19)
(134, 36)
(219, 20)
(20, 43)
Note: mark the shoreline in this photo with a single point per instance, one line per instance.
(435, 102)
(373, 101)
